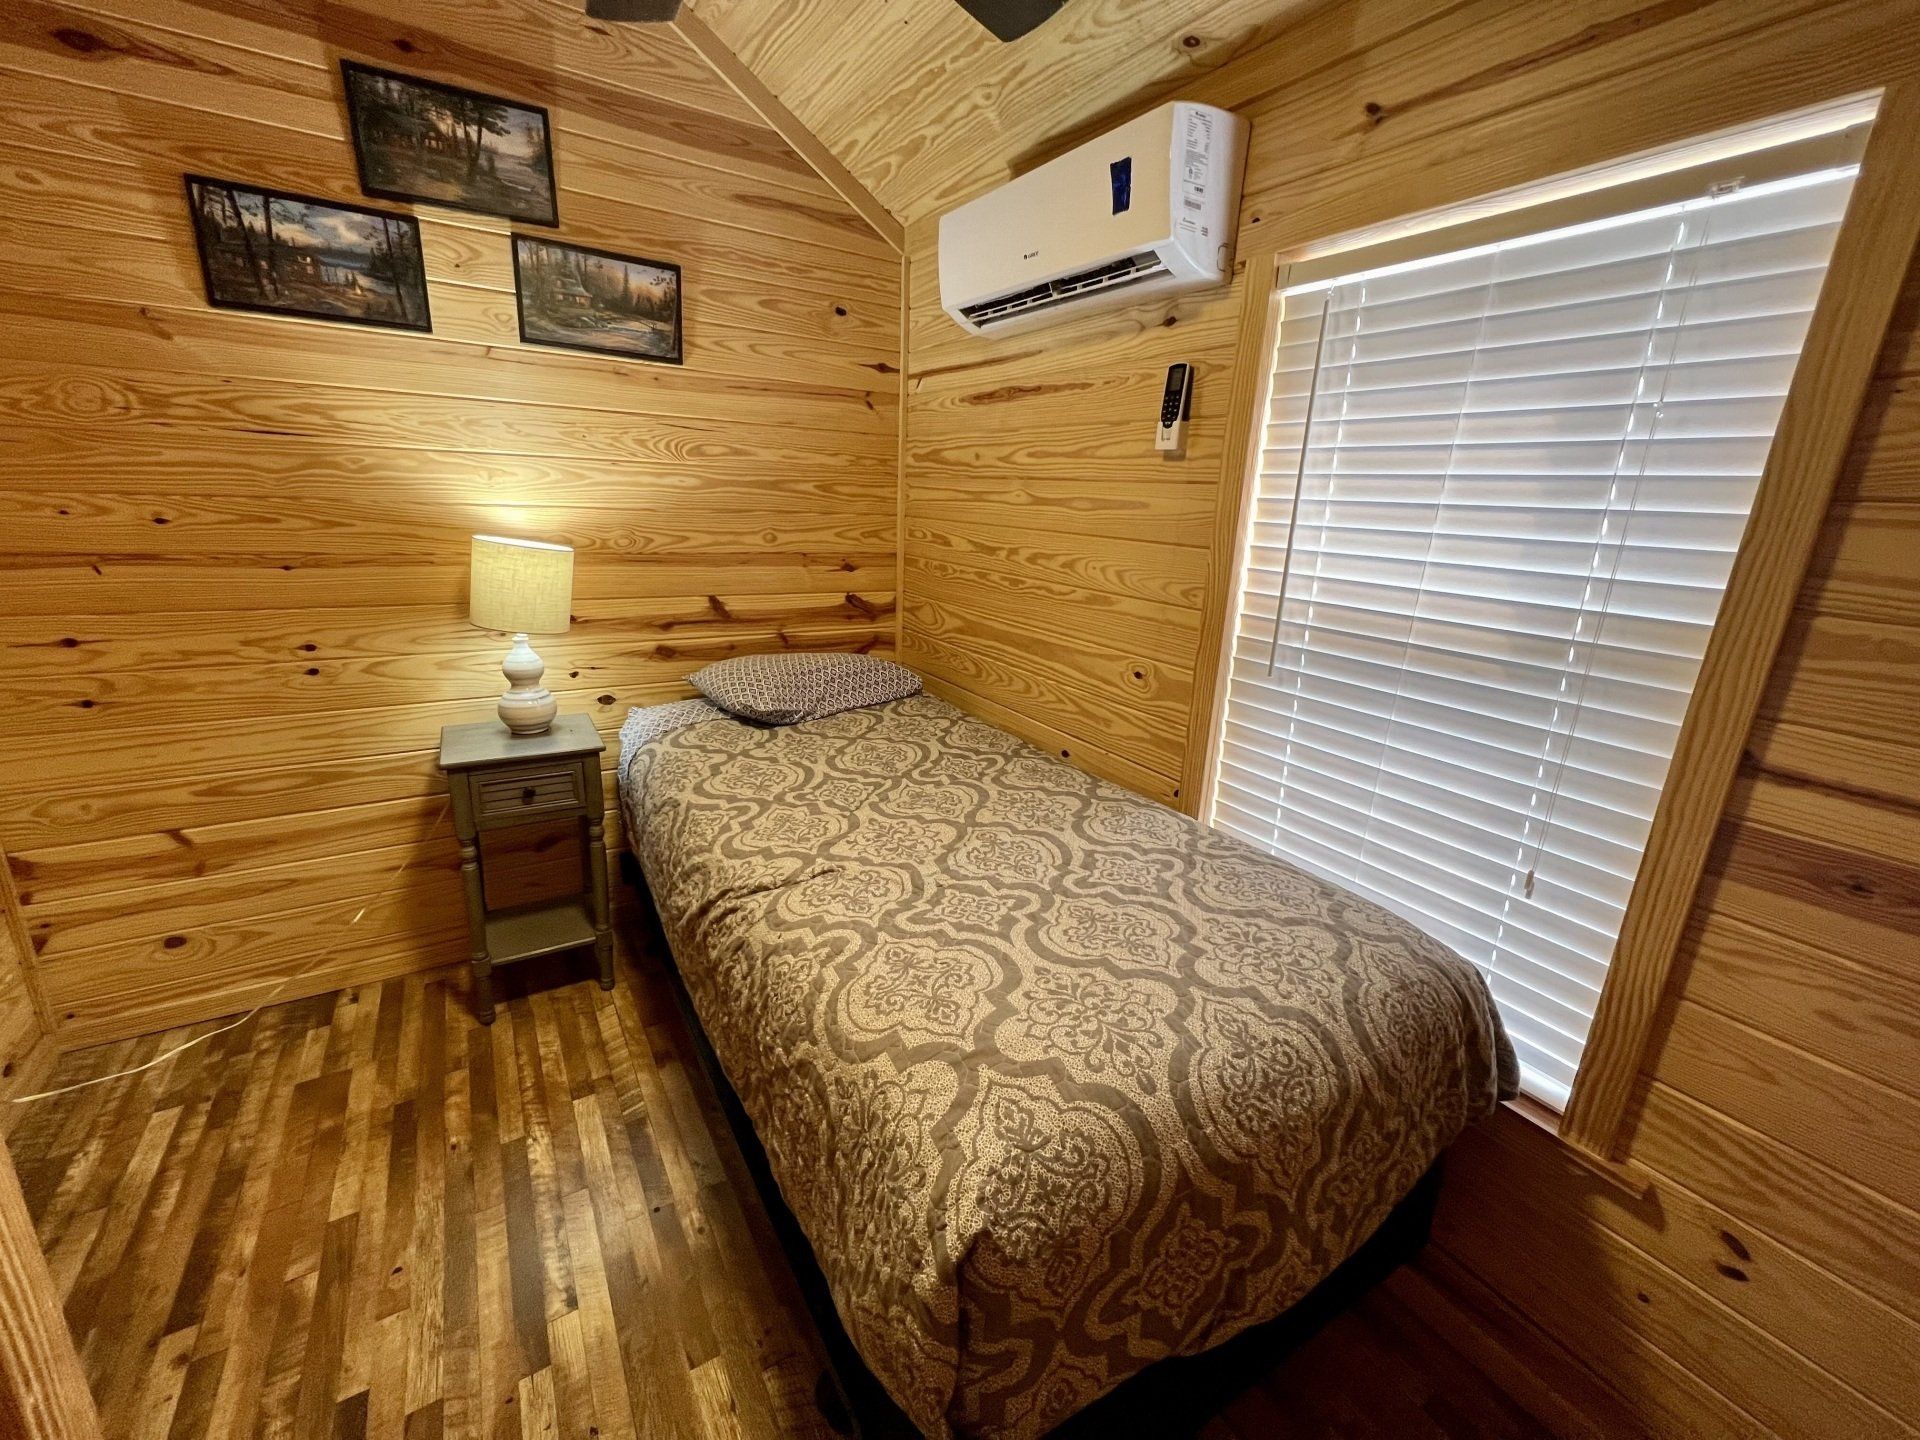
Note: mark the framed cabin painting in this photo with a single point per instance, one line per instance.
(286, 254)
(417, 139)
(584, 299)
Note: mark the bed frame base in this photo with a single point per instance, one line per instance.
(1158, 1402)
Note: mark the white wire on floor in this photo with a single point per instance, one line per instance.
(264, 1000)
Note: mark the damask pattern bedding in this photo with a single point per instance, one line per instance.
(1056, 1081)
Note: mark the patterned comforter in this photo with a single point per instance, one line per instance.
(1057, 1081)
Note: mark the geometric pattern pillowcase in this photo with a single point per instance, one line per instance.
(790, 686)
(645, 723)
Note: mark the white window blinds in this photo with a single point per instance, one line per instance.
(1498, 499)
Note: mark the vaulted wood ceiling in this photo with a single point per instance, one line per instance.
(926, 108)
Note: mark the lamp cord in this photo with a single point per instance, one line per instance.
(265, 1000)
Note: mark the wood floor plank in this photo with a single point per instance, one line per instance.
(350, 1418)
(362, 1216)
(501, 1361)
(498, 1363)
(123, 1109)
(327, 1332)
(667, 1178)
(125, 1209)
(528, 1269)
(263, 1092)
(387, 1393)
(217, 1271)
(133, 1318)
(539, 1419)
(543, 1166)
(572, 1388)
(653, 1357)
(166, 1381)
(198, 1391)
(426, 1309)
(362, 1085)
(76, 1243)
(367, 1284)
(600, 1329)
(557, 1089)
(314, 1146)
(719, 1415)
(459, 1302)
(396, 1284)
(280, 1387)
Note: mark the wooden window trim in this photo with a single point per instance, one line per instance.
(1871, 254)
(1870, 259)
(1252, 378)
(1624, 1175)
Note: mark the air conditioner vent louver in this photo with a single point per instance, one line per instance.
(1129, 271)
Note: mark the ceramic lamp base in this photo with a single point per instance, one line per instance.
(528, 707)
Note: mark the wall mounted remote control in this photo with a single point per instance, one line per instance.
(1176, 404)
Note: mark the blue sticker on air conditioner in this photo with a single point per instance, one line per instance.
(1122, 174)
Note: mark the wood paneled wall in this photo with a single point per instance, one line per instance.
(234, 546)
(1055, 563)
(1769, 1283)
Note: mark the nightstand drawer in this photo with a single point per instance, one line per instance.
(526, 792)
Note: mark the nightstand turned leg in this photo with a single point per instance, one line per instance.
(602, 929)
(477, 930)
(483, 989)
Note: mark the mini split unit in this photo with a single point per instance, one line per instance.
(1145, 210)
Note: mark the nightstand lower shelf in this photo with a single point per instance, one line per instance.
(539, 929)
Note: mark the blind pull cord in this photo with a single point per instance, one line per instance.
(1299, 479)
(1619, 548)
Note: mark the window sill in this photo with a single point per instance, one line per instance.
(1623, 1175)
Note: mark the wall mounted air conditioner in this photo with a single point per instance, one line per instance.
(1144, 210)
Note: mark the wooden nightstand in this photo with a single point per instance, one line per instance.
(499, 779)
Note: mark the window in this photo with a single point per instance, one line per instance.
(1500, 490)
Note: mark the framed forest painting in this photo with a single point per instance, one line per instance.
(595, 300)
(417, 139)
(288, 254)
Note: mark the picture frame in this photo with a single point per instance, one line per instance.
(575, 297)
(277, 252)
(425, 140)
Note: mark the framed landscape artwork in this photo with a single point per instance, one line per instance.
(296, 255)
(417, 139)
(595, 300)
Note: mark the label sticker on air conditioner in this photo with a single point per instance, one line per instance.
(1196, 151)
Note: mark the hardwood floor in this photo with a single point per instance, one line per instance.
(364, 1215)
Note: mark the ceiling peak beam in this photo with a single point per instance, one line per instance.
(766, 104)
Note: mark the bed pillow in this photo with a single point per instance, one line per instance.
(792, 686)
(848, 682)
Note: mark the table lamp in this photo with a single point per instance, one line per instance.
(522, 587)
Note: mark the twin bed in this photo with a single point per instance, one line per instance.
(1055, 1081)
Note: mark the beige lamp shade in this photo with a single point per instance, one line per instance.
(520, 586)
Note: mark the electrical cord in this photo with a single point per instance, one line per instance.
(265, 1000)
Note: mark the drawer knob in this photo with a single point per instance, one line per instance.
(526, 795)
